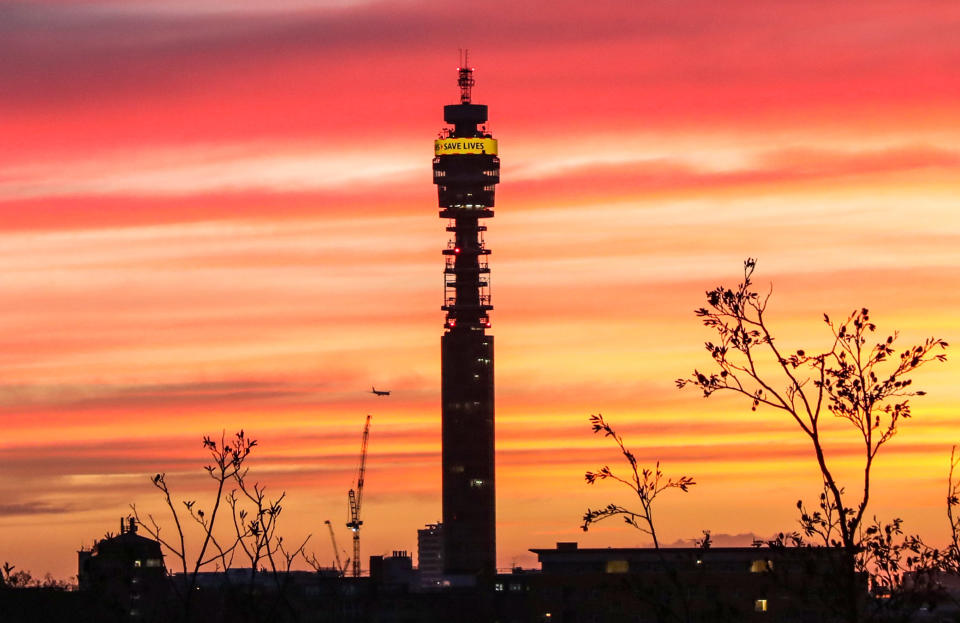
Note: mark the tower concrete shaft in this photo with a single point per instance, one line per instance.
(466, 169)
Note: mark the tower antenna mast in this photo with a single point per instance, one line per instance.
(465, 77)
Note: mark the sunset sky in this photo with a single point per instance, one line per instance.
(218, 214)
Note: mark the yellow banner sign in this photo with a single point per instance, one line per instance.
(446, 146)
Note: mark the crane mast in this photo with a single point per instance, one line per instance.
(341, 567)
(355, 497)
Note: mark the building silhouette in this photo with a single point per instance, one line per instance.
(641, 585)
(127, 572)
(466, 169)
(430, 555)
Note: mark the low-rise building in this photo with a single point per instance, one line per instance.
(127, 573)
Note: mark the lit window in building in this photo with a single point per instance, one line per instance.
(761, 566)
(618, 566)
(154, 562)
(477, 482)
(137, 563)
(760, 605)
(498, 587)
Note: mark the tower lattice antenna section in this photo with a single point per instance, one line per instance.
(465, 77)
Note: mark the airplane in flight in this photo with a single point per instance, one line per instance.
(376, 392)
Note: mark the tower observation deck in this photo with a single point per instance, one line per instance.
(466, 169)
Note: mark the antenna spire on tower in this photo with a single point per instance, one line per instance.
(465, 76)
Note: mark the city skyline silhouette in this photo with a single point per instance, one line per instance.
(220, 218)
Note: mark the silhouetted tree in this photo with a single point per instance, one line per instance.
(860, 381)
(646, 483)
(12, 579)
(952, 552)
(253, 530)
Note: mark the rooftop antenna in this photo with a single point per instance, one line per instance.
(465, 76)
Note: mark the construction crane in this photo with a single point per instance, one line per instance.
(341, 567)
(355, 497)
